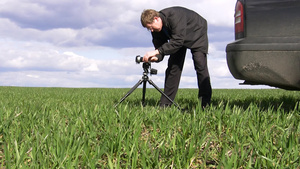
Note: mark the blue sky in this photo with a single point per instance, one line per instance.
(93, 43)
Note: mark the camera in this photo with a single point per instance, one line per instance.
(146, 65)
(138, 59)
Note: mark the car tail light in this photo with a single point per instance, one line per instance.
(239, 20)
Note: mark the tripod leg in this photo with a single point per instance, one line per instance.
(144, 92)
(130, 91)
(157, 88)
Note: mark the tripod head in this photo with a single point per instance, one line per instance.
(147, 67)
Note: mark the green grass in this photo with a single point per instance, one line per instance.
(81, 128)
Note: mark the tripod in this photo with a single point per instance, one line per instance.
(144, 80)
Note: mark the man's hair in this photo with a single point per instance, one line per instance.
(147, 16)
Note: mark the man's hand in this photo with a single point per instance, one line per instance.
(151, 56)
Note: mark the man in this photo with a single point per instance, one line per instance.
(174, 30)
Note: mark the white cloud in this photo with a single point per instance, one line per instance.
(33, 76)
(91, 43)
(81, 23)
(92, 68)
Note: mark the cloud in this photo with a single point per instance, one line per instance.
(45, 15)
(92, 43)
(93, 23)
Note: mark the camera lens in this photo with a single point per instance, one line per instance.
(138, 59)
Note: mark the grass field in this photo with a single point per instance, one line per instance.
(81, 128)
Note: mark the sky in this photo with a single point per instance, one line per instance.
(93, 43)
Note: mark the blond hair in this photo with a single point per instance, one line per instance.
(147, 16)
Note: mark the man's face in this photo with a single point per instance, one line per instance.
(155, 26)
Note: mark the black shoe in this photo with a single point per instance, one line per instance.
(204, 102)
(164, 105)
(205, 105)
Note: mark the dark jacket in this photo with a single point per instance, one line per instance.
(184, 27)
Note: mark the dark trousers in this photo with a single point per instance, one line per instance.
(173, 74)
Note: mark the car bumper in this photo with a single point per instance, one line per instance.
(272, 63)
